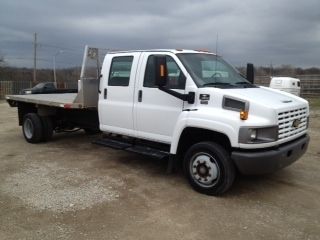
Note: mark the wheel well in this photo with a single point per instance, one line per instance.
(23, 109)
(193, 135)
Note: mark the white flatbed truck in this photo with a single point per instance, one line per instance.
(188, 106)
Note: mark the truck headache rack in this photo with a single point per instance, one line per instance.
(88, 87)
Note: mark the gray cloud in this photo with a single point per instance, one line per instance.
(277, 31)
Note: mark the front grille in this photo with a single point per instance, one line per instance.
(292, 122)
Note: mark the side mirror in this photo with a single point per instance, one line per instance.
(161, 71)
(250, 72)
(161, 80)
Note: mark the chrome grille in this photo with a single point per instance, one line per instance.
(287, 120)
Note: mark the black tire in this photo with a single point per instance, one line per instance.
(32, 128)
(90, 131)
(209, 168)
(47, 128)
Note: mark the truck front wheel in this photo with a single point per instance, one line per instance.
(32, 128)
(209, 168)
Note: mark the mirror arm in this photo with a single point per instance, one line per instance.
(184, 97)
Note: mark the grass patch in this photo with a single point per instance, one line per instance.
(314, 102)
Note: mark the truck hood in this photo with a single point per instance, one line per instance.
(267, 97)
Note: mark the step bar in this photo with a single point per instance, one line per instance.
(137, 147)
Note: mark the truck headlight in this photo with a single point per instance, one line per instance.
(253, 134)
(236, 104)
(258, 134)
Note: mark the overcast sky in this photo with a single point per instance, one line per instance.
(277, 31)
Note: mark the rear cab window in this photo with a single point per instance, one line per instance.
(120, 71)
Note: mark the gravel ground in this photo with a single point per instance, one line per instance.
(50, 186)
(71, 189)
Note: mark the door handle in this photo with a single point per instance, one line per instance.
(140, 96)
(105, 91)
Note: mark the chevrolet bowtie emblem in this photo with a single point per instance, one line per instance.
(296, 123)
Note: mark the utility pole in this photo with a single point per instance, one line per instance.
(271, 70)
(54, 66)
(35, 59)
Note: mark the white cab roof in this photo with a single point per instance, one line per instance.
(175, 51)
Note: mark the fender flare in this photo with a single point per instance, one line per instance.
(213, 126)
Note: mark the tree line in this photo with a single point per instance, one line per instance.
(42, 75)
(283, 70)
(8, 73)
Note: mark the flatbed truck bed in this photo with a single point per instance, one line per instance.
(61, 111)
(61, 100)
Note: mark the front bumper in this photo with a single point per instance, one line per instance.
(267, 161)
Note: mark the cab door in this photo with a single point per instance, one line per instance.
(117, 93)
(157, 112)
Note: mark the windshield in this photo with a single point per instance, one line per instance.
(39, 85)
(209, 70)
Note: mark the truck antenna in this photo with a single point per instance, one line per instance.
(215, 68)
(217, 38)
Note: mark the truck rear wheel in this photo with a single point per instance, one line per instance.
(209, 168)
(32, 128)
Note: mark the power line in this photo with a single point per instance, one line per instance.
(45, 60)
(35, 59)
(46, 45)
(59, 47)
(42, 49)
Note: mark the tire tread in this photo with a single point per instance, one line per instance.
(37, 125)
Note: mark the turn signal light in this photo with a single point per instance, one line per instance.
(162, 70)
(244, 115)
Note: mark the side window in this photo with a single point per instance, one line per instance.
(49, 86)
(120, 71)
(176, 79)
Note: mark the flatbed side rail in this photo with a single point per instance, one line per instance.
(62, 100)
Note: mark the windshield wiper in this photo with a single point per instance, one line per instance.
(245, 84)
(217, 84)
(242, 83)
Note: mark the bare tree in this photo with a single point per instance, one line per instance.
(2, 62)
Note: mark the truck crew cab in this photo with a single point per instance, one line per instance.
(190, 105)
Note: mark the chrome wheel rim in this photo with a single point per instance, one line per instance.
(204, 169)
(28, 128)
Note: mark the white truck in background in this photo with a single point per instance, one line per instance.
(286, 84)
(190, 107)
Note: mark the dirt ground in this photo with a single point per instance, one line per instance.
(71, 189)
